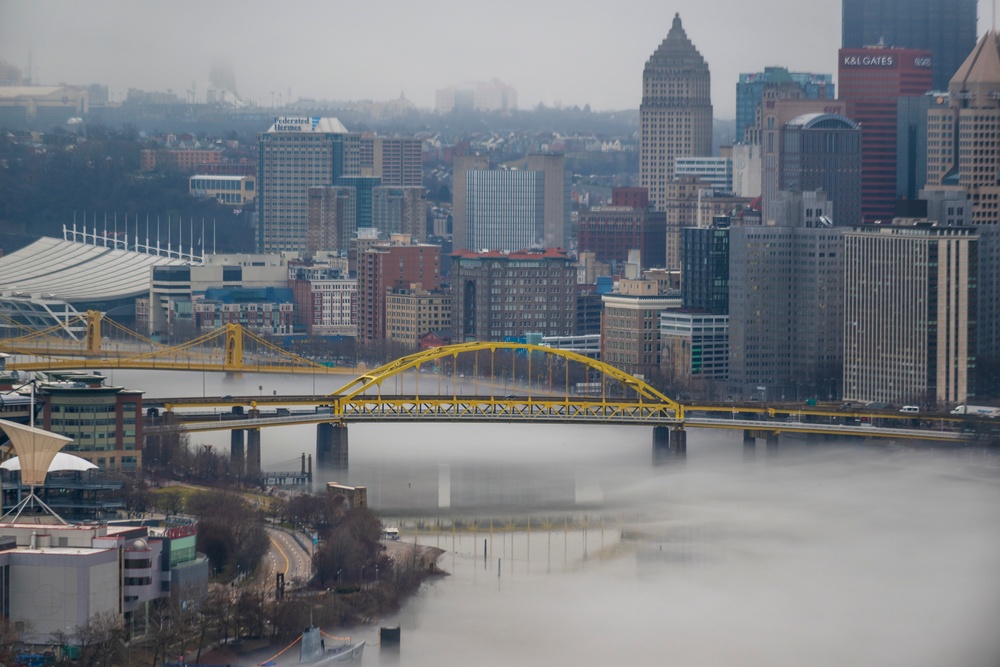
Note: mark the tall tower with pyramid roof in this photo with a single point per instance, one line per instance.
(675, 116)
(963, 171)
(962, 148)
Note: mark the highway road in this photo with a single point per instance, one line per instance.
(286, 555)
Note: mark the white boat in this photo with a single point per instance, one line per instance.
(316, 650)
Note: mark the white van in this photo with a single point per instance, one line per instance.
(910, 409)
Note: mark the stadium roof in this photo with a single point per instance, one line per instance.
(77, 272)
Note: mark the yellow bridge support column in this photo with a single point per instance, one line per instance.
(234, 348)
(94, 332)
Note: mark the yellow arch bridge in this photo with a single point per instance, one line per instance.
(549, 396)
(467, 382)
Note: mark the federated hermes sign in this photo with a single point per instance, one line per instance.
(295, 124)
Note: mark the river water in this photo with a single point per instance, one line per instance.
(816, 554)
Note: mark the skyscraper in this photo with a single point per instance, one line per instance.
(786, 301)
(511, 209)
(296, 154)
(389, 265)
(675, 116)
(872, 80)
(496, 295)
(822, 152)
(769, 135)
(793, 85)
(400, 210)
(910, 314)
(963, 160)
(962, 148)
(399, 161)
(331, 221)
(947, 28)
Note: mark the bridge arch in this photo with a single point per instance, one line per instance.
(375, 377)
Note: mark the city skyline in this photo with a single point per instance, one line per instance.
(548, 55)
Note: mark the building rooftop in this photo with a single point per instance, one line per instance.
(548, 253)
(982, 66)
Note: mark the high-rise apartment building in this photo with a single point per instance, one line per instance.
(398, 161)
(690, 202)
(330, 216)
(398, 263)
(705, 267)
(947, 28)
(610, 232)
(324, 299)
(786, 302)
(694, 339)
(630, 326)
(511, 209)
(496, 295)
(675, 116)
(296, 154)
(910, 314)
(412, 312)
(871, 82)
(400, 210)
(793, 85)
(364, 188)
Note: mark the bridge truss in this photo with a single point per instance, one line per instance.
(549, 390)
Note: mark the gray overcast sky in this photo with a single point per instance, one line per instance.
(584, 52)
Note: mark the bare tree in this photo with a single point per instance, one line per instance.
(100, 639)
(11, 636)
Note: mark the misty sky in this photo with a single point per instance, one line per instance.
(585, 52)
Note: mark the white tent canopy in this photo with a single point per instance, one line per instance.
(60, 461)
(35, 448)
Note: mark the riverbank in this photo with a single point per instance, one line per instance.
(364, 605)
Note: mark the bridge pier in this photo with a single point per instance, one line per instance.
(661, 443)
(668, 443)
(237, 455)
(772, 442)
(678, 441)
(749, 445)
(331, 445)
(253, 452)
